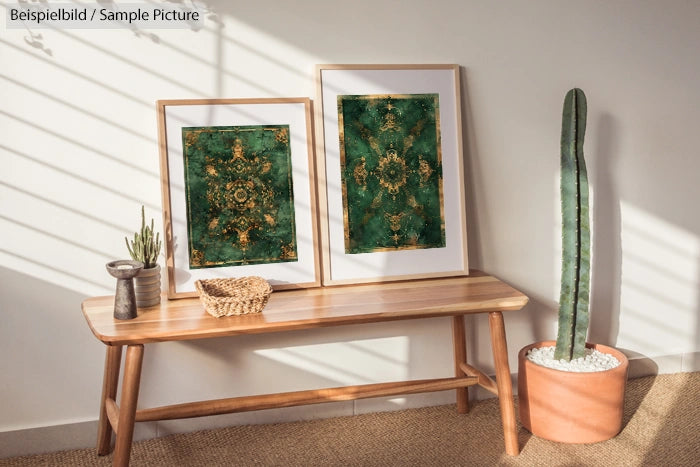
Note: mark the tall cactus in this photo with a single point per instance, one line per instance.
(576, 236)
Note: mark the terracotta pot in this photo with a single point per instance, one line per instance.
(147, 287)
(571, 407)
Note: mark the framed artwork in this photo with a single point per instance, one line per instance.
(239, 191)
(390, 171)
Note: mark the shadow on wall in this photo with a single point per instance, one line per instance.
(607, 233)
(471, 171)
(47, 345)
(36, 40)
(659, 295)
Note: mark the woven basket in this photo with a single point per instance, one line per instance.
(227, 297)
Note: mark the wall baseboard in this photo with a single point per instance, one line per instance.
(641, 365)
(44, 439)
(83, 435)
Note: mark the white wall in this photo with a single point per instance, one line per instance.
(78, 156)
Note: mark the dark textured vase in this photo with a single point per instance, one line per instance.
(124, 298)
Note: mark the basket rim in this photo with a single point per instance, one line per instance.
(208, 289)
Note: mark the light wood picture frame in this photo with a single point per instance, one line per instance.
(368, 175)
(239, 191)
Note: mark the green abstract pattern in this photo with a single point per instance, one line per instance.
(240, 203)
(391, 171)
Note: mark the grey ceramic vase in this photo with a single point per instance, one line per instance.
(147, 287)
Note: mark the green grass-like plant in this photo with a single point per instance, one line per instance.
(145, 246)
(576, 235)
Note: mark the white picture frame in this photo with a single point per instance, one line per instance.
(340, 267)
(173, 116)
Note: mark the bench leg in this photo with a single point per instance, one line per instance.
(505, 390)
(127, 408)
(460, 352)
(109, 391)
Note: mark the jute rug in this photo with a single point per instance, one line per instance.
(661, 428)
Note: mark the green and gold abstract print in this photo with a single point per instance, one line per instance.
(391, 171)
(240, 204)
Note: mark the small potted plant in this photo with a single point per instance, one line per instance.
(572, 391)
(145, 247)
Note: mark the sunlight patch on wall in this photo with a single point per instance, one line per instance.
(368, 361)
(660, 285)
(80, 155)
(44, 239)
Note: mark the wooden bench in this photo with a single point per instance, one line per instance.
(185, 319)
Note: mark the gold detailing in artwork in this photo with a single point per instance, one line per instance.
(288, 251)
(282, 135)
(392, 172)
(237, 150)
(424, 170)
(394, 221)
(197, 256)
(361, 173)
(239, 188)
(389, 122)
(192, 137)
